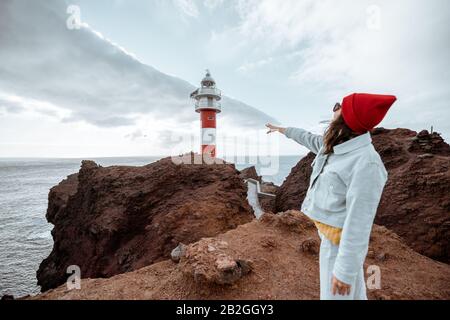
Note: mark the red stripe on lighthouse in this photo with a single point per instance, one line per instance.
(208, 120)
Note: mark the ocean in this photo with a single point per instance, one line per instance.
(25, 238)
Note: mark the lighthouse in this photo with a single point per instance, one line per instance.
(207, 102)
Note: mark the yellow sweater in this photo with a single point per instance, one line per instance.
(331, 233)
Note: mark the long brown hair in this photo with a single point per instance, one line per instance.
(338, 132)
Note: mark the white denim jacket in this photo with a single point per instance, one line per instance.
(344, 192)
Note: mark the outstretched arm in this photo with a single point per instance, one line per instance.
(273, 128)
(311, 141)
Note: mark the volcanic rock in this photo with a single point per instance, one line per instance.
(269, 187)
(215, 268)
(118, 219)
(250, 173)
(311, 246)
(267, 203)
(212, 261)
(416, 199)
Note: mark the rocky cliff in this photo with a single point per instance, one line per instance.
(118, 219)
(416, 200)
(275, 258)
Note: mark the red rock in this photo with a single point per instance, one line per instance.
(209, 261)
(225, 263)
(256, 272)
(250, 173)
(311, 246)
(118, 219)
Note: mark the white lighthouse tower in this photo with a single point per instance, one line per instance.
(207, 102)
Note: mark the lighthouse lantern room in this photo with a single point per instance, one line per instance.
(207, 102)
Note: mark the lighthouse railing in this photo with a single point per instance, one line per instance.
(209, 91)
(208, 105)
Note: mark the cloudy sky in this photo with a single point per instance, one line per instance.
(119, 85)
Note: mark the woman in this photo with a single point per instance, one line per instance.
(345, 189)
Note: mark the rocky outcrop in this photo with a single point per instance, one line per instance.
(274, 258)
(250, 173)
(416, 200)
(118, 219)
(266, 202)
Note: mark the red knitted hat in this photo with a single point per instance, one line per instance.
(362, 112)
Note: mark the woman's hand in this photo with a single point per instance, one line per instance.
(340, 287)
(273, 128)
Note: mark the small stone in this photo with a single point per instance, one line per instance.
(222, 245)
(426, 156)
(371, 254)
(225, 263)
(381, 257)
(245, 265)
(199, 274)
(93, 230)
(310, 246)
(423, 133)
(178, 253)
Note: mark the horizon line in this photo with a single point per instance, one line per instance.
(123, 157)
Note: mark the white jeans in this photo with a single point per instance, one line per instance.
(327, 258)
